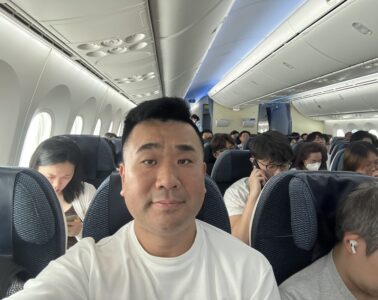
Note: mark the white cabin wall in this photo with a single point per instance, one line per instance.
(302, 124)
(37, 78)
(235, 117)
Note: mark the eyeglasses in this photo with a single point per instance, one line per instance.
(271, 166)
(372, 165)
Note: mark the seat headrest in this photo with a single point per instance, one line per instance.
(232, 165)
(314, 197)
(38, 232)
(97, 157)
(208, 156)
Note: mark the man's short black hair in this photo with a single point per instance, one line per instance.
(273, 146)
(162, 109)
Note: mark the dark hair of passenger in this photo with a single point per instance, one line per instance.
(195, 117)
(358, 214)
(304, 136)
(304, 152)
(163, 109)
(361, 135)
(313, 135)
(56, 150)
(233, 132)
(271, 145)
(355, 153)
(219, 142)
(206, 130)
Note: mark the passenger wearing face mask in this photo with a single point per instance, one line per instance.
(311, 156)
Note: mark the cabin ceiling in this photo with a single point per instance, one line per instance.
(147, 49)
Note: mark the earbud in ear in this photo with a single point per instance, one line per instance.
(353, 244)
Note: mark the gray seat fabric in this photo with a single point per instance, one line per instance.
(108, 212)
(35, 219)
(97, 158)
(294, 219)
(230, 166)
(337, 163)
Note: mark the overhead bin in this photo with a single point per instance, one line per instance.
(336, 42)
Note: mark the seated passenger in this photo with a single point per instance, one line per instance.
(243, 138)
(270, 155)
(316, 137)
(361, 157)
(207, 135)
(311, 156)
(235, 134)
(164, 253)
(58, 159)
(350, 270)
(221, 142)
(362, 135)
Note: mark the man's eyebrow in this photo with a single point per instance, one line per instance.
(149, 146)
(185, 148)
(180, 147)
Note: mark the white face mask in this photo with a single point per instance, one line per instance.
(313, 166)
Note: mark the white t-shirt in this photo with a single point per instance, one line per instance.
(236, 196)
(217, 266)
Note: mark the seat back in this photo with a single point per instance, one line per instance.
(31, 219)
(230, 166)
(338, 161)
(294, 220)
(342, 144)
(208, 158)
(118, 150)
(97, 158)
(108, 211)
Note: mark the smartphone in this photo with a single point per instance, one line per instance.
(71, 218)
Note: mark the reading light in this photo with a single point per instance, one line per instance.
(361, 28)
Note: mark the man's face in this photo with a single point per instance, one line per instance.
(271, 168)
(163, 177)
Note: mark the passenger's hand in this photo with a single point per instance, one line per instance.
(375, 173)
(74, 227)
(257, 180)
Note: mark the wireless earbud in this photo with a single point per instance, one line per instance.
(353, 245)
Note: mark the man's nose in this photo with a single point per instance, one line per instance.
(167, 176)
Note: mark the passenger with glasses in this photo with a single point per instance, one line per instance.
(220, 143)
(271, 154)
(361, 157)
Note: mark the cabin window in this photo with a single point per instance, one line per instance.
(97, 128)
(111, 127)
(340, 132)
(373, 131)
(77, 126)
(39, 130)
(120, 129)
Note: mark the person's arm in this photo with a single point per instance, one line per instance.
(64, 278)
(81, 205)
(240, 223)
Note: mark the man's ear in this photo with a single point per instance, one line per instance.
(351, 243)
(121, 174)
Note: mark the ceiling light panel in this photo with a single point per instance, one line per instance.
(114, 37)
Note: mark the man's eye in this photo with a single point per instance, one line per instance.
(184, 161)
(149, 162)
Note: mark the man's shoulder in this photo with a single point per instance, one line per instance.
(305, 282)
(229, 245)
(240, 185)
